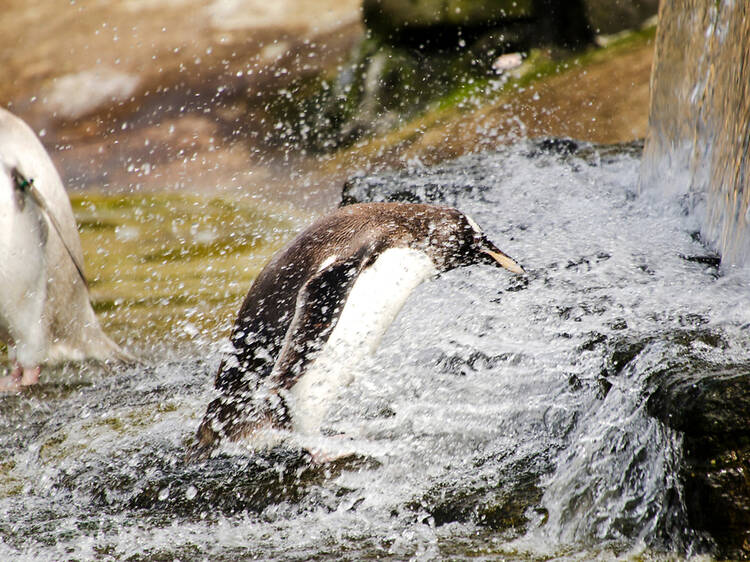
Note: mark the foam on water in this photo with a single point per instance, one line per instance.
(487, 388)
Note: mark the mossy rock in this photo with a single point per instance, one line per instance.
(690, 390)
(612, 16)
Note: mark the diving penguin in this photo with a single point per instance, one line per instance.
(321, 304)
(45, 312)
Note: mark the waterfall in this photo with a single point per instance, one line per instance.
(699, 122)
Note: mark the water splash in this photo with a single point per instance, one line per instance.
(500, 417)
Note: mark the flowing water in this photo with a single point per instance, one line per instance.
(699, 124)
(501, 417)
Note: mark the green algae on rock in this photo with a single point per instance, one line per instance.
(173, 265)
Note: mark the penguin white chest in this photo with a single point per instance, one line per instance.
(371, 306)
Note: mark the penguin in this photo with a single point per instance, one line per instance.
(320, 305)
(45, 311)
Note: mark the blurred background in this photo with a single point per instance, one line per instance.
(246, 95)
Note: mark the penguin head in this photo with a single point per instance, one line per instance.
(463, 243)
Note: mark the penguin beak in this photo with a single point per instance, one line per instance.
(496, 257)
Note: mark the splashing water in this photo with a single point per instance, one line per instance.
(501, 416)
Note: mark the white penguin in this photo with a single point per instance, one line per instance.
(45, 311)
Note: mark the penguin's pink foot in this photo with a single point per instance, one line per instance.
(20, 378)
(30, 375)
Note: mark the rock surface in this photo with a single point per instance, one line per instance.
(419, 52)
(417, 22)
(612, 16)
(399, 22)
(710, 406)
(430, 24)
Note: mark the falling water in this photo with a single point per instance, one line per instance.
(698, 148)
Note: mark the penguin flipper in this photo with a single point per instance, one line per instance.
(319, 305)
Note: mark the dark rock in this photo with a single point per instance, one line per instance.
(224, 485)
(415, 53)
(383, 188)
(160, 485)
(709, 404)
(611, 16)
(557, 146)
(423, 186)
(425, 13)
(711, 407)
(435, 24)
(561, 22)
(622, 353)
(711, 260)
(495, 494)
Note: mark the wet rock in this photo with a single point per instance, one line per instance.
(376, 89)
(622, 351)
(711, 407)
(421, 13)
(410, 186)
(431, 24)
(410, 22)
(496, 493)
(611, 16)
(708, 402)
(160, 484)
(462, 364)
(593, 154)
(224, 485)
(470, 175)
(418, 52)
(561, 146)
(711, 260)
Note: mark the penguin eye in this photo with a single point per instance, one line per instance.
(20, 180)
